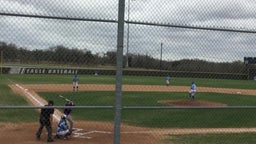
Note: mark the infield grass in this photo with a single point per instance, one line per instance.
(162, 118)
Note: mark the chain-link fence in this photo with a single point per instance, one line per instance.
(148, 71)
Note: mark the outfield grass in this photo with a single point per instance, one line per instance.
(231, 138)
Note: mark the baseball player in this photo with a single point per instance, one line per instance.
(62, 129)
(192, 91)
(168, 79)
(67, 112)
(75, 83)
(46, 118)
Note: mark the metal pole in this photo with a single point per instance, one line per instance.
(119, 64)
(128, 36)
(1, 71)
(161, 56)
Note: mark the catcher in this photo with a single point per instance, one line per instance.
(62, 129)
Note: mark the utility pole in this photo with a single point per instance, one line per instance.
(161, 51)
(1, 60)
(128, 36)
(1, 71)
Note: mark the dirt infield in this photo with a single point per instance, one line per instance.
(189, 103)
(109, 87)
(102, 132)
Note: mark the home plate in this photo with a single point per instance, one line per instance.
(79, 134)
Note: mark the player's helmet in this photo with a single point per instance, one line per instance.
(50, 102)
(63, 116)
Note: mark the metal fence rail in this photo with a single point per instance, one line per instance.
(130, 107)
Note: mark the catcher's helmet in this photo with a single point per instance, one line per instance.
(63, 116)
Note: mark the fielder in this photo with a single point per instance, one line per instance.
(168, 79)
(192, 91)
(75, 83)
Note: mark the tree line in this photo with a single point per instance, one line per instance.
(61, 55)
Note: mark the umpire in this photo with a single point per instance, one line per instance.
(46, 118)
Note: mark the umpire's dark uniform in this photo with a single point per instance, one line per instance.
(45, 120)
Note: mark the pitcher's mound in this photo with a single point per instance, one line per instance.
(189, 103)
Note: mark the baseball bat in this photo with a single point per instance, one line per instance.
(64, 98)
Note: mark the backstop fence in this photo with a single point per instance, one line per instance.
(149, 71)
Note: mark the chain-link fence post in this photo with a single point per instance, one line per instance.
(119, 64)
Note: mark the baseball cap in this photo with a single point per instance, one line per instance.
(51, 102)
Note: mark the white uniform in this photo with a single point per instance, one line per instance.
(168, 79)
(192, 91)
(75, 83)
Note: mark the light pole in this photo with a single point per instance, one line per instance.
(161, 51)
(1, 60)
(128, 35)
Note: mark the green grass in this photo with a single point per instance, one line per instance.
(148, 118)
(8, 98)
(155, 118)
(162, 118)
(92, 79)
(231, 138)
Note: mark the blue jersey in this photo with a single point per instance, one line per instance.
(193, 86)
(168, 78)
(62, 125)
(75, 79)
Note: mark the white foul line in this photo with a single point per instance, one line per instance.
(36, 100)
(77, 132)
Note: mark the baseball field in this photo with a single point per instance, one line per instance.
(141, 122)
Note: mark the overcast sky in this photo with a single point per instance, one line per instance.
(99, 37)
